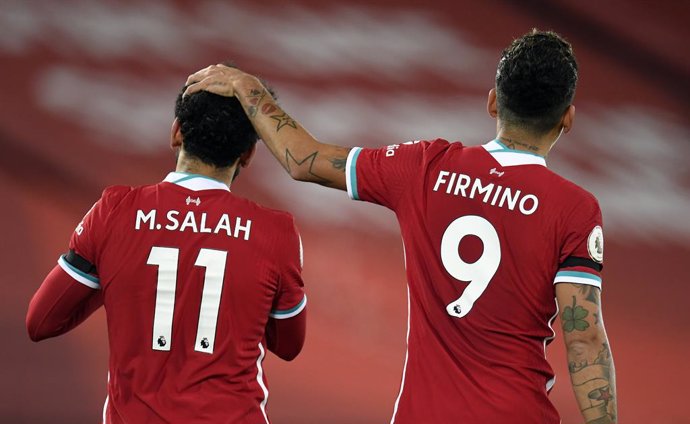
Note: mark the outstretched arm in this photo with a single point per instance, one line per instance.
(589, 356)
(302, 156)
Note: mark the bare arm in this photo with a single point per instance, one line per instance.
(589, 356)
(302, 156)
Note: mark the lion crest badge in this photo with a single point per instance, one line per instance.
(595, 244)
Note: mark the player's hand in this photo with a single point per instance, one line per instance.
(218, 79)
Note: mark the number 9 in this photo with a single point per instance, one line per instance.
(479, 273)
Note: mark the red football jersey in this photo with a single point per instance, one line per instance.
(487, 232)
(190, 275)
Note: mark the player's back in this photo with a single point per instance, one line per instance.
(190, 274)
(486, 230)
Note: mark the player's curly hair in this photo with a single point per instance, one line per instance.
(535, 81)
(214, 128)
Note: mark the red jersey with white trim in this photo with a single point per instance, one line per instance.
(190, 275)
(487, 232)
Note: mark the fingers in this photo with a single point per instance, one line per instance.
(199, 75)
(212, 70)
(215, 83)
(217, 79)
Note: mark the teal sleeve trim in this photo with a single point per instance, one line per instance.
(289, 313)
(352, 173)
(578, 274)
(86, 279)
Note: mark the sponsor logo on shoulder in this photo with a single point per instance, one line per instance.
(595, 244)
(390, 150)
(494, 171)
(196, 201)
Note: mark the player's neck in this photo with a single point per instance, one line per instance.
(193, 166)
(524, 141)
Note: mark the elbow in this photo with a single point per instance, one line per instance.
(291, 354)
(33, 327)
(299, 174)
(40, 327)
(580, 344)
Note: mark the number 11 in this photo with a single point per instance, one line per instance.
(166, 258)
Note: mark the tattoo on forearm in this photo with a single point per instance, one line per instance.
(307, 162)
(594, 385)
(573, 317)
(284, 120)
(339, 163)
(254, 99)
(268, 108)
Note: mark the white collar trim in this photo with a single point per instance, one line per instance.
(510, 157)
(195, 182)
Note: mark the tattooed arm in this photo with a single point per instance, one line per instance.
(302, 156)
(589, 357)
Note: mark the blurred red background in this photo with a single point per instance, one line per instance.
(87, 96)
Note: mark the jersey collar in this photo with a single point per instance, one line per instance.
(195, 182)
(510, 157)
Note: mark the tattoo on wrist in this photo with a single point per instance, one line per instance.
(254, 98)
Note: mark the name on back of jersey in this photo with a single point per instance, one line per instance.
(457, 184)
(195, 222)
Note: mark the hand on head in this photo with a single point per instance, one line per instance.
(217, 79)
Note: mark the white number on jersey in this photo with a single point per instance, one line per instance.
(166, 258)
(479, 273)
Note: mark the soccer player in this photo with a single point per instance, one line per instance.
(495, 244)
(196, 281)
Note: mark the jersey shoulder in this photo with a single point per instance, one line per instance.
(113, 196)
(571, 191)
(280, 217)
(435, 150)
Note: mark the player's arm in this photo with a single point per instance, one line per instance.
(285, 337)
(59, 305)
(302, 156)
(589, 356)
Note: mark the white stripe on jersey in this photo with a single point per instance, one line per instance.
(85, 279)
(260, 380)
(407, 348)
(552, 381)
(107, 398)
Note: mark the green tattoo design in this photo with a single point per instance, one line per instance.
(284, 120)
(573, 318)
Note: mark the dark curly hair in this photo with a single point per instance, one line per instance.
(535, 81)
(214, 128)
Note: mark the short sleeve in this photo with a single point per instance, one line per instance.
(81, 263)
(290, 299)
(382, 175)
(582, 252)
